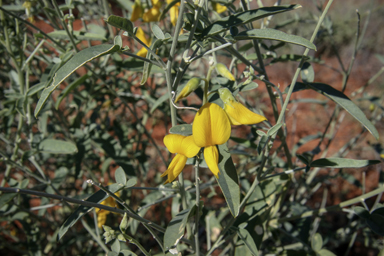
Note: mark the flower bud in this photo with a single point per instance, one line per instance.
(192, 85)
(223, 70)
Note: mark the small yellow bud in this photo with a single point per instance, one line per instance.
(218, 7)
(223, 70)
(192, 85)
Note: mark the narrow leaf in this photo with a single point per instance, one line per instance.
(70, 88)
(57, 147)
(342, 163)
(176, 228)
(71, 66)
(248, 241)
(342, 100)
(245, 17)
(274, 34)
(228, 180)
(274, 129)
(159, 101)
(79, 35)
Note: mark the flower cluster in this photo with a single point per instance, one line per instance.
(211, 127)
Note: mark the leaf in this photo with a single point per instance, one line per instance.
(97, 197)
(307, 73)
(376, 221)
(120, 22)
(228, 180)
(158, 32)
(176, 228)
(69, 88)
(245, 17)
(325, 252)
(246, 237)
(361, 212)
(342, 163)
(274, 34)
(317, 242)
(120, 176)
(274, 129)
(342, 100)
(57, 147)
(159, 101)
(79, 35)
(148, 66)
(71, 66)
(182, 129)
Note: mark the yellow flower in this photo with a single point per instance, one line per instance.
(141, 35)
(153, 13)
(174, 12)
(237, 113)
(218, 7)
(102, 214)
(192, 85)
(137, 10)
(223, 70)
(185, 148)
(211, 127)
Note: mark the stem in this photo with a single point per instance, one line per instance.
(70, 35)
(337, 207)
(94, 236)
(81, 202)
(197, 203)
(283, 109)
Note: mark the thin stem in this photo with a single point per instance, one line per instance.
(33, 26)
(197, 203)
(337, 207)
(94, 236)
(70, 35)
(81, 202)
(283, 109)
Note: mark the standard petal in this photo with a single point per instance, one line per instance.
(189, 148)
(201, 128)
(238, 114)
(211, 126)
(175, 168)
(221, 127)
(211, 156)
(174, 143)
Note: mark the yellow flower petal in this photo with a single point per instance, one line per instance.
(174, 13)
(192, 85)
(218, 7)
(141, 35)
(179, 144)
(152, 14)
(211, 156)
(137, 11)
(237, 113)
(175, 168)
(211, 126)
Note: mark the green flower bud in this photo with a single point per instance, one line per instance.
(223, 70)
(191, 86)
(124, 223)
